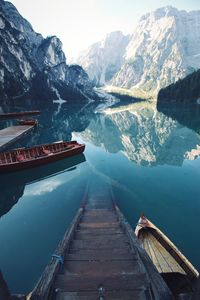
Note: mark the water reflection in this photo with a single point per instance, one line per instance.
(9, 197)
(186, 114)
(147, 137)
(132, 151)
(58, 125)
(12, 185)
(35, 212)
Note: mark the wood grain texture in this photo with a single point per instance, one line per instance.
(10, 134)
(104, 252)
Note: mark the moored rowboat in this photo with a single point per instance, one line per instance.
(175, 268)
(24, 158)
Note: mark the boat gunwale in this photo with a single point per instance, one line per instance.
(76, 145)
(41, 145)
(185, 264)
(157, 283)
(31, 160)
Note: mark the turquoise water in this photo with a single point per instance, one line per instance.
(148, 159)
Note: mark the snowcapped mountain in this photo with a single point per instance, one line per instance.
(105, 58)
(33, 66)
(164, 47)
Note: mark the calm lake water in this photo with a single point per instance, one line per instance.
(149, 159)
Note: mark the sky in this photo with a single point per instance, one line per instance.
(80, 23)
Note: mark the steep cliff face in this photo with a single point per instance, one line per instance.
(163, 48)
(104, 59)
(33, 66)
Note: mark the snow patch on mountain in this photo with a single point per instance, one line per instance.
(103, 59)
(163, 48)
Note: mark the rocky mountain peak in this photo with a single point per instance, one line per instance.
(50, 52)
(159, 13)
(103, 59)
(16, 21)
(33, 66)
(163, 48)
(113, 37)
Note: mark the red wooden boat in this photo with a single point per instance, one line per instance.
(24, 158)
(28, 122)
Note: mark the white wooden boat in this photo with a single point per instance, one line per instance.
(178, 272)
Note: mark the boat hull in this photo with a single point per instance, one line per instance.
(42, 160)
(178, 273)
(26, 176)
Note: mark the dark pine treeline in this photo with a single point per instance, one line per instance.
(184, 90)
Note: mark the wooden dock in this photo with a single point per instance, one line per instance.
(10, 134)
(100, 258)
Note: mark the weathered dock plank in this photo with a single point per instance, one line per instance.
(11, 134)
(102, 261)
(113, 295)
(78, 283)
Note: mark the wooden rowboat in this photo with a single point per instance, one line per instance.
(179, 274)
(24, 158)
(28, 122)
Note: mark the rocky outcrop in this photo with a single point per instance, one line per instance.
(163, 48)
(31, 66)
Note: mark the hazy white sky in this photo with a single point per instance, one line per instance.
(79, 23)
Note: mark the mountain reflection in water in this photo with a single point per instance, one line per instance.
(147, 137)
(147, 159)
(12, 185)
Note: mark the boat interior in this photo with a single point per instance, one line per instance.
(173, 269)
(161, 253)
(22, 154)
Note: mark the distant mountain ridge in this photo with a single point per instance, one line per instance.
(164, 47)
(186, 90)
(33, 66)
(105, 58)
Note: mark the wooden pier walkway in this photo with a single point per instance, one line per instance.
(100, 258)
(10, 134)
